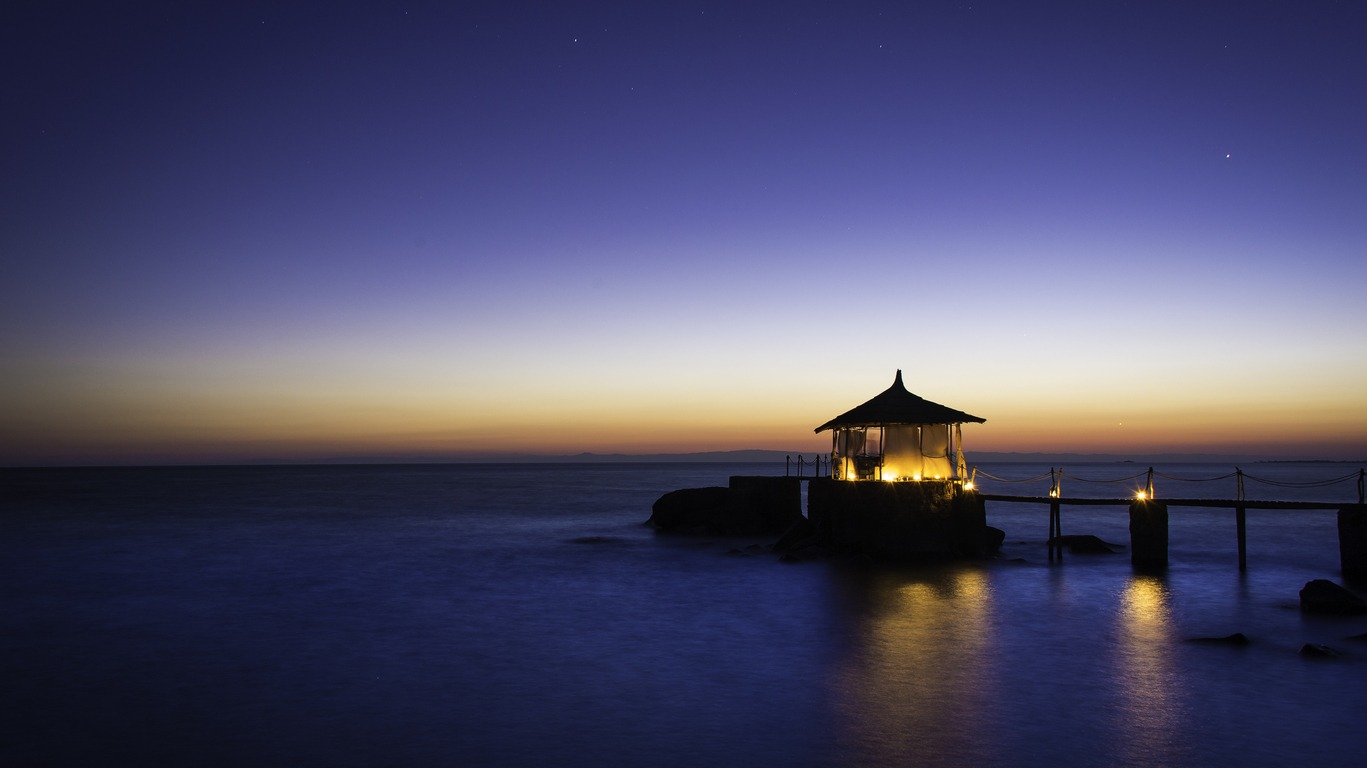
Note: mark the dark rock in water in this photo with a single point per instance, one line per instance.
(1313, 651)
(749, 506)
(692, 510)
(1238, 638)
(799, 543)
(799, 535)
(801, 555)
(1084, 545)
(992, 538)
(1324, 596)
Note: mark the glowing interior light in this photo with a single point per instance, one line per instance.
(1140, 495)
(890, 478)
(916, 478)
(968, 486)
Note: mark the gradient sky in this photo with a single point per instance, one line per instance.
(326, 229)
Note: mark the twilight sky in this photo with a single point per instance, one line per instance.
(328, 229)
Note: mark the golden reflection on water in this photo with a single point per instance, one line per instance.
(1150, 712)
(922, 675)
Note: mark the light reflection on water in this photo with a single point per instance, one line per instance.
(920, 679)
(1151, 712)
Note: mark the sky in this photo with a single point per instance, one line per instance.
(243, 231)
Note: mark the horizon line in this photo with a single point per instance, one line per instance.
(737, 456)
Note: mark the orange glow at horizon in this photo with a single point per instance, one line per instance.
(221, 412)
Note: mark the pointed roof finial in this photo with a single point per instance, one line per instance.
(898, 406)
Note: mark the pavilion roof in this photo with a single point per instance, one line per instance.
(896, 405)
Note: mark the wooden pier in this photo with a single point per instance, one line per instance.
(1149, 520)
(1149, 515)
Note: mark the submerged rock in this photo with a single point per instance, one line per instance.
(991, 538)
(800, 534)
(1324, 596)
(1238, 638)
(1084, 545)
(1314, 651)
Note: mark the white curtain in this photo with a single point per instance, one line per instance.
(901, 451)
(935, 459)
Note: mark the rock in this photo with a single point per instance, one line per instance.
(801, 555)
(799, 543)
(696, 510)
(991, 538)
(1324, 596)
(1313, 651)
(1083, 545)
(1238, 638)
(749, 506)
(799, 535)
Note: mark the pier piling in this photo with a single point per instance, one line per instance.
(1353, 540)
(1148, 533)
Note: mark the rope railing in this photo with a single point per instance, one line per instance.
(1057, 476)
(979, 471)
(801, 463)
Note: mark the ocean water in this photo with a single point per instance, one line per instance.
(523, 615)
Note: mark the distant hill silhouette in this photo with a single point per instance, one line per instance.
(768, 456)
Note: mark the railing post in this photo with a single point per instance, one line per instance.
(1055, 520)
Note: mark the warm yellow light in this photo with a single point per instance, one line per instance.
(1053, 494)
(968, 486)
(890, 478)
(916, 478)
(1140, 495)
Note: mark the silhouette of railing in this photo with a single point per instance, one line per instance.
(1240, 503)
(801, 463)
(1056, 477)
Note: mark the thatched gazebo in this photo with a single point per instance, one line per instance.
(897, 435)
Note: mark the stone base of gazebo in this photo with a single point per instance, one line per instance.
(930, 519)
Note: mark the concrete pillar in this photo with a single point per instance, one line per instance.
(1148, 533)
(1353, 540)
(775, 503)
(896, 520)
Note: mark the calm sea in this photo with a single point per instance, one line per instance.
(523, 615)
